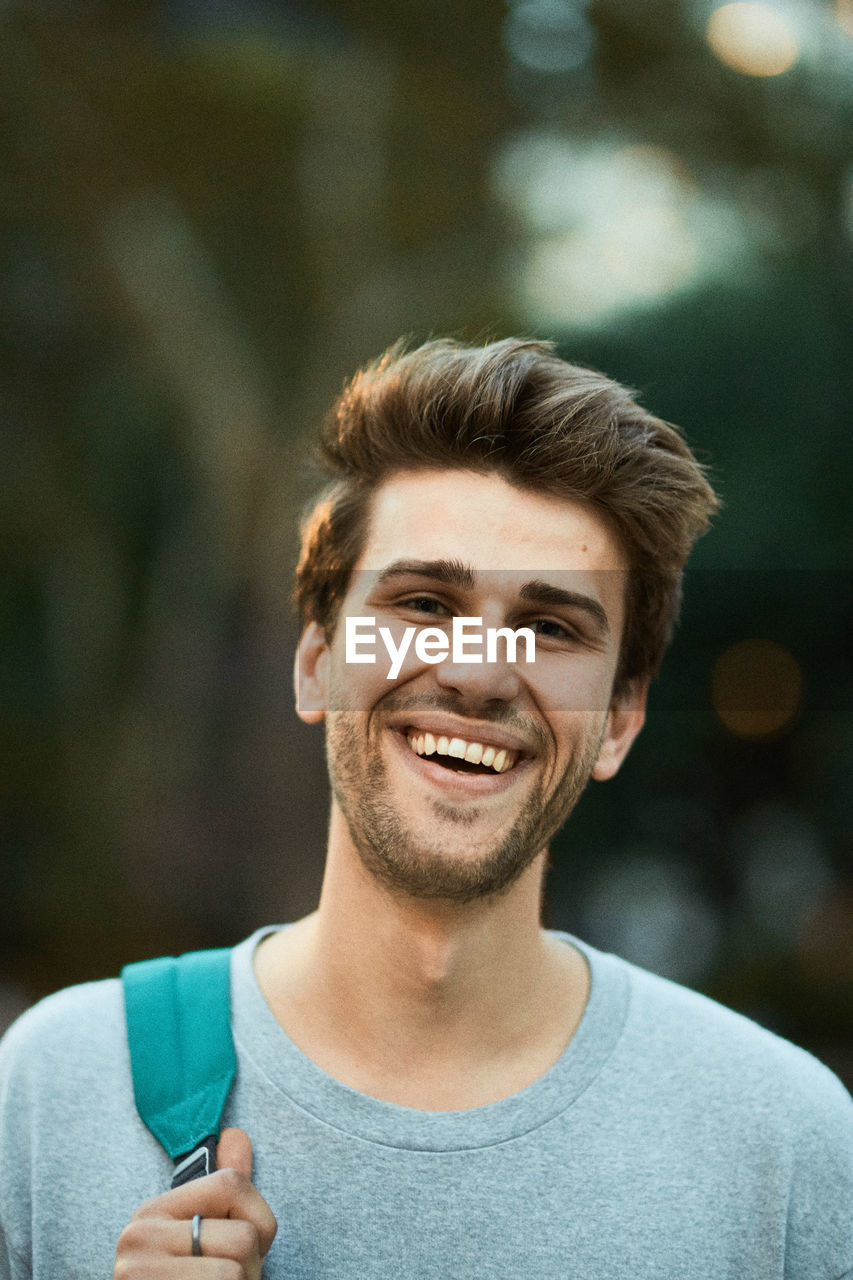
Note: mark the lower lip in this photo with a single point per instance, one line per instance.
(476, 785)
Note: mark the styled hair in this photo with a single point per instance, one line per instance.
(515, 409)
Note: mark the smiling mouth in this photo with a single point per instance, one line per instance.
(460, 755)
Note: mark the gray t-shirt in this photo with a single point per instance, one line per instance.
(673, 1140)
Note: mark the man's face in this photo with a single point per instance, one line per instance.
(453, 776)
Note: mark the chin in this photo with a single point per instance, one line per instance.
(397, 861)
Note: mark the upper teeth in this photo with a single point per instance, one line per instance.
(500, 759)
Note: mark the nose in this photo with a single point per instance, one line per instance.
(479, 681)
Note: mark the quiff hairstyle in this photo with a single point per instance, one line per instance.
(515, 409)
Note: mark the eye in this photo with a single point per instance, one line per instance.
(425, 604)
(550, 629)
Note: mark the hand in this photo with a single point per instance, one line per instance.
(237, 1226)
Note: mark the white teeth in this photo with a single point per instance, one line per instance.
(501, 759)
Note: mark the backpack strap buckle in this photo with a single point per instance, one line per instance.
(198, 1164)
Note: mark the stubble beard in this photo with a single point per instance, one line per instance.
(405, 861)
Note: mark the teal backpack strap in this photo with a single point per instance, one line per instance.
(181, 1052)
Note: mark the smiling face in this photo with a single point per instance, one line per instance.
(453, 776)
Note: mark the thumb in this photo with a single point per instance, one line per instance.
(235, 1151)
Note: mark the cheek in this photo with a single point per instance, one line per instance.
(345, 746)
(356, 686)
(565, 689)
(580, 735)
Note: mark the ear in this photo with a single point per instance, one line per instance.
(625, 719)
(311, 674)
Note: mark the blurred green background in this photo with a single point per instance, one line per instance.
(212, 212)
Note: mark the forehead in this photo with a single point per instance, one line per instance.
(487, 523)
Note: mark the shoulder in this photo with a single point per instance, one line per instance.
(79, 1030)
(64, 1074)
(765, 1121)
(753, 1084)
(89, 1004)
(66, 1104)
(748, 1068)
(684, 1012)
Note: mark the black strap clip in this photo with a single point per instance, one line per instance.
(198, 1164)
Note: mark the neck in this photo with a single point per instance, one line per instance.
(404, 998)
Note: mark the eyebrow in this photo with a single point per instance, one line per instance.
(456, 574)
(452, 572)
(540, 592)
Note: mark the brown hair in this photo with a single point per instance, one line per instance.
(514, 408)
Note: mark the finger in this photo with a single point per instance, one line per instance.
(232, 1238)
(165, 1268)
(235, 1151)
(224, 1194)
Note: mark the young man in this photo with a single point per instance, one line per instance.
(435, 1086)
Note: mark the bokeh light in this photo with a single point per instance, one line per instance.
(549, 36)
(844, 15)
(756, 688)
(612, 227)
(754, 39)
(782, 871)
(825, 943)
(647, 906)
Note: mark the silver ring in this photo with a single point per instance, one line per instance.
(196, 1235)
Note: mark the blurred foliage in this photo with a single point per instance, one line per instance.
(210, 214)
